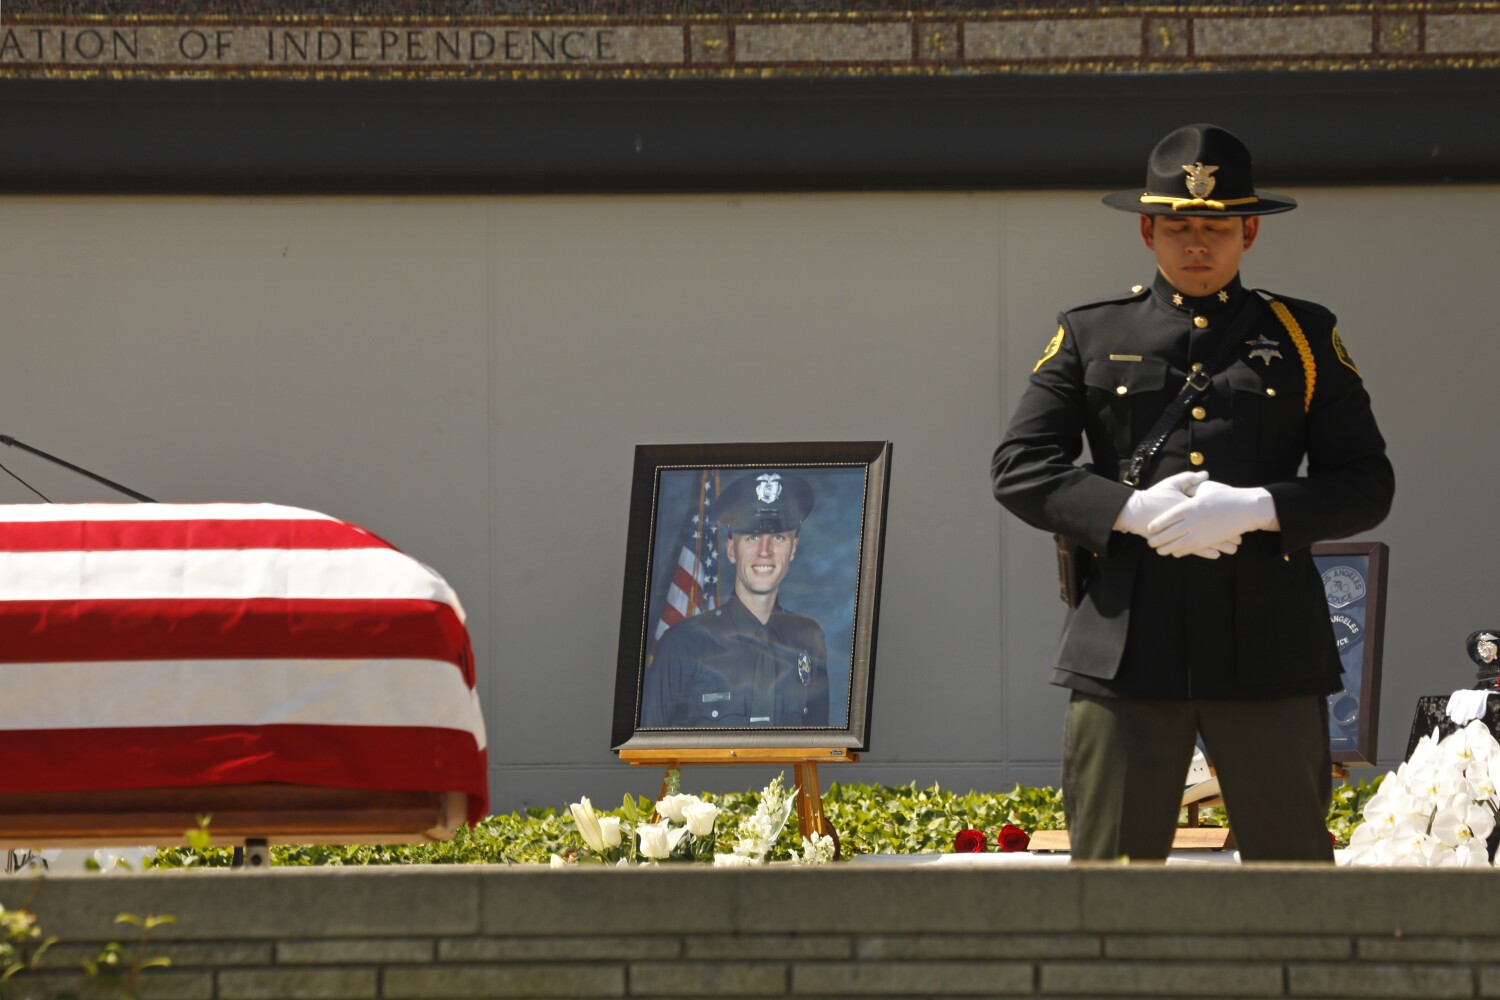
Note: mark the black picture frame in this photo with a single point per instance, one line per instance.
(1354, 575)
(833, 581)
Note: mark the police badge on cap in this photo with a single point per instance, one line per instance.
(1200, 170)
(766, 501)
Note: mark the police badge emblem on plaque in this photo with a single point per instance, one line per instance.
(1342, 586)
(804, 668)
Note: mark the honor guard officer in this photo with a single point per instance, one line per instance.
(749, 663)
(1199, 399)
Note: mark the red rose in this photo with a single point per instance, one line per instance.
(1012, 838)
(970, 842)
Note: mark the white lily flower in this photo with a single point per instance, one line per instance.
(556, 861)
(734, 861)
(588, 824)
(700, 817)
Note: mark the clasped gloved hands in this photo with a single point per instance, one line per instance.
(1213, 519)
(1187, 515)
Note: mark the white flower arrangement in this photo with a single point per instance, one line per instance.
(1437, 809)
(759, 833)
(684, 831)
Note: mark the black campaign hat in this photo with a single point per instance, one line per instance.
(765, 502)
(1200, 170)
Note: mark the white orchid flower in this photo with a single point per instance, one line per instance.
(1473, 743)
(1462, 822)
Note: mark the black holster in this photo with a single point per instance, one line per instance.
(1075, 564)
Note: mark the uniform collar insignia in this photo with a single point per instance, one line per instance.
(1226, 297)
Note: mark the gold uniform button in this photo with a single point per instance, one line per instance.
(1201, 322)
(1137, 288)
(1120, 390)
(1196, 457)
(1197, 366)
(1199, 413)
(1270, 391)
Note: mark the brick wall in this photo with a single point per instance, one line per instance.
(839, 932)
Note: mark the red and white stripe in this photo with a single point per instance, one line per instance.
(159, 645)
(685, 595)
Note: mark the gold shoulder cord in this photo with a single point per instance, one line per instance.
(1309, 366)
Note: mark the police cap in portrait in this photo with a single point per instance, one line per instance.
(769, 501)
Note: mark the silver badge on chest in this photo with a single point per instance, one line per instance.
(1264, 348)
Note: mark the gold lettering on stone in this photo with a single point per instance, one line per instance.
(306, 47)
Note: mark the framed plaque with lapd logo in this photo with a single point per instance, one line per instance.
(752, 588)
(1354, 586)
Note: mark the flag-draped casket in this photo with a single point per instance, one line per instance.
(208, 645)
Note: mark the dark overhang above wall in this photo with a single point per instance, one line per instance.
(898, 133)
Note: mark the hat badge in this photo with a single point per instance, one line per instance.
(768, 487)
(1199, 181)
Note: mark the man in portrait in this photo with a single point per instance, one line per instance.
(749, 663)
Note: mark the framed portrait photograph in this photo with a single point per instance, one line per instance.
(751, 595)
(1354, 586)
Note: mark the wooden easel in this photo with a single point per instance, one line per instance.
(810, 818)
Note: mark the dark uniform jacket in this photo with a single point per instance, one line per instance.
(723, 668)
(1252, 625)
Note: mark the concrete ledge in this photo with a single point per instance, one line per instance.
(486, 931)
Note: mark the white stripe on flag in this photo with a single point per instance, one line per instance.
(677, 599)
(37, 512)
(161, 693)
(689, 562)
(220, 573)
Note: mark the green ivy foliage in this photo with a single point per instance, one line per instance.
(870, 819)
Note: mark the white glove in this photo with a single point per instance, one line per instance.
(1216, 514)
(1144, 505)
(1466, 706)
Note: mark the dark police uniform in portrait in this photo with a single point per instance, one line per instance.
(1239, 646)
(724, 668)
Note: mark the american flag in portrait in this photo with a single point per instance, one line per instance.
(695, 574)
